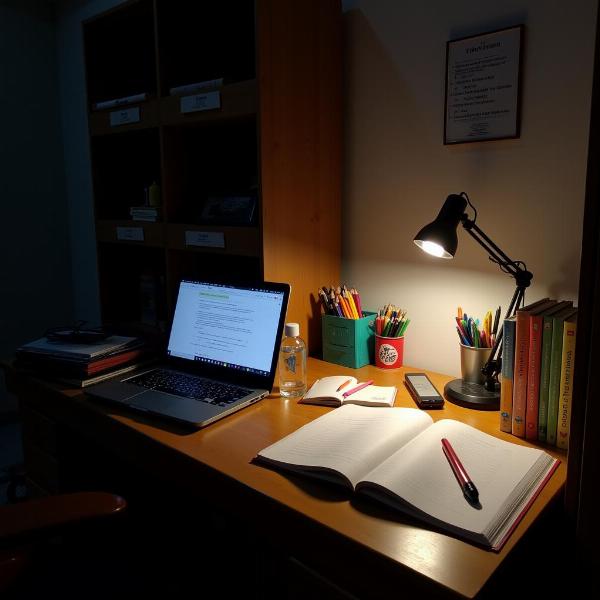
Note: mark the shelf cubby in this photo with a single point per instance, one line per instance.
(206, 161)
(204, 41)
(133, 285)
(123, 166)
(120, 53)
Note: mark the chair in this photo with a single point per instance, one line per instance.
(25, 525)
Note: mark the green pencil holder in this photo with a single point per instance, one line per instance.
(348, 342)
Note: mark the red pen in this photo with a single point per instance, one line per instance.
(358, 387)
(467, 486)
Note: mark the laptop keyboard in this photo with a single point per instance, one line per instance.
(180, 384)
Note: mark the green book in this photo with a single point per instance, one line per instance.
(554, 377)
(565, 308)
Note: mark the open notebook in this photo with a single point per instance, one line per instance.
(336, 390)
(395, 456)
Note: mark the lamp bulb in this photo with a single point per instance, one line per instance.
(432, 248)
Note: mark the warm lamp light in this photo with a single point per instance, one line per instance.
(440, 239)
(433, 249)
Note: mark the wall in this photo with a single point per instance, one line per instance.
(529, 191)
(35, 289)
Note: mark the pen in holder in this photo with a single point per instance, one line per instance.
(477, 341)
(470, 391)
(390, 326)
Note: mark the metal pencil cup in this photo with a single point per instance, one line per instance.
(472, 361)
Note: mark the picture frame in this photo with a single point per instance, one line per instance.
(229, 210)
(483, 87)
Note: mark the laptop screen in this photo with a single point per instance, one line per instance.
(228, 326)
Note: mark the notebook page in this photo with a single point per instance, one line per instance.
(375, 395)
(351, 439)
(421, 474)
(326, 387)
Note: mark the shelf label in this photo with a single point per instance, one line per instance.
(130, 234)
(208, 101)
(207, 239)
(124, 117)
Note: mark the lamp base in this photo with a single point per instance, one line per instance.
(471, 395)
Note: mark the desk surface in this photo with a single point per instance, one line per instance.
(400, 546)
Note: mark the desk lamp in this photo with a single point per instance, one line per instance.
(440, 239)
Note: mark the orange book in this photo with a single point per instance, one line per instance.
(519, 408)
(536, 324)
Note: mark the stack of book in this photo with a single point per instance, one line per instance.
(81, 365)
(538, 362)
(144, 213)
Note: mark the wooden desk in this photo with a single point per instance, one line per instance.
(354, 544)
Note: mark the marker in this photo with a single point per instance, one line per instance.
(343, 385)
(467, 486)
(357, 388)
(496, 322)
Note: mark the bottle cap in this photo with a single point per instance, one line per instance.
(292, 330)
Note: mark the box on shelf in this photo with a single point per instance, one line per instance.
(348, 342)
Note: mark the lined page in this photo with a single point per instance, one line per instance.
(351, 439)
(421, 475)
(327, 387)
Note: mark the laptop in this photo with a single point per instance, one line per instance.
(222, 354)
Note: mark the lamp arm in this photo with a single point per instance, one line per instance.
(522, 278)
(507, 264)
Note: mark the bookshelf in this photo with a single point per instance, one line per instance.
(266, 133)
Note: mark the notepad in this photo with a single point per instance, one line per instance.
(395, 456)
(326, 392)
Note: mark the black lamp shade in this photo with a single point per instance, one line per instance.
(439, 237)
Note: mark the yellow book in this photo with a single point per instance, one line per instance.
(566, 382)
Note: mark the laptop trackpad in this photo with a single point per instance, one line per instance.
(181, 408)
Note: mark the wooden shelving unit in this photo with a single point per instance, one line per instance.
(269, 128)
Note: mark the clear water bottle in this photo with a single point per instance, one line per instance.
(292, 363)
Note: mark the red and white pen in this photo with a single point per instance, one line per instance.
(358, 387)
(467, 486)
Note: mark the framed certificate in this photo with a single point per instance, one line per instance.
(483, 87)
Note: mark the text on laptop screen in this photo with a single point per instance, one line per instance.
(226, 326)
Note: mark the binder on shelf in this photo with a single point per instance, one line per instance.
(190, 88)
(120, 101)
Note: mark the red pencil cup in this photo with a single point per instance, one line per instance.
(389, 352)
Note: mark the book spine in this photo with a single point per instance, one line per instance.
(554, 383)
(533, 377)
(87, 381)
(520, 374)
(566, 384)
(544, 378)
(506, 385)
